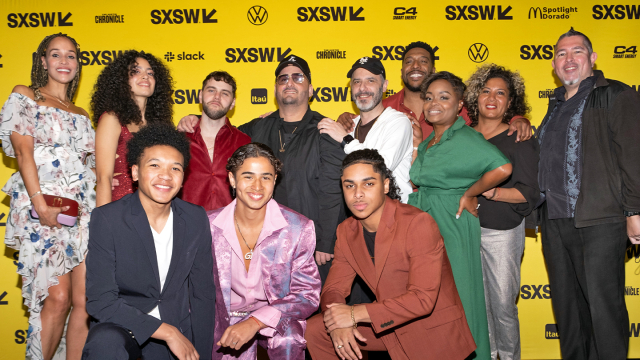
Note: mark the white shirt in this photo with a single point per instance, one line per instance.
(392, 136)
(164, 248)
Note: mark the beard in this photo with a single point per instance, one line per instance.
(215, 114)
(290, 99)
(405, 81)
(376, 98)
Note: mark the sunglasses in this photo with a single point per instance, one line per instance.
(297, 78)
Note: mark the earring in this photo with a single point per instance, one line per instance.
(233, 192)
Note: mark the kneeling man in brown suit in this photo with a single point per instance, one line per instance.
(398, 250)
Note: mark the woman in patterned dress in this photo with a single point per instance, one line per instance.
(53, 143)
(135, 89)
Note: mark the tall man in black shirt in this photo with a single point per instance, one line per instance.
(590, 176)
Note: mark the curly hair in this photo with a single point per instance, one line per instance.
(252, 150)
(40, 76)
(515, 83)
(154, 135)
(456, 83)
(112, 92)
(373, 158)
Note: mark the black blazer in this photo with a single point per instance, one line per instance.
(123, 283)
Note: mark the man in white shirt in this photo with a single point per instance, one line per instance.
(386, 130)
(150, 286)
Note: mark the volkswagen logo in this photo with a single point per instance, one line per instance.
(478, 52)
(257, 15)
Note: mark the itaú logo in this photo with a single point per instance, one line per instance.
(257, 15)
(478, 52)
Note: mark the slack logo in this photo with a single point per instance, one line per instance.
(530, 292)
(551, 331)
(179, 16)
(254, 54)
(326, 13)
(38, 19)
(533, 52)
(169, 56)
(259, 96)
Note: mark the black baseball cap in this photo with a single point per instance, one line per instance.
(294, 61)
(370, 63)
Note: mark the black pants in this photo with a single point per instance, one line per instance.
(112, 342)
(586, 276)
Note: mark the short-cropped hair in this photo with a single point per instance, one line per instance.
(221, 76)
(155, 134)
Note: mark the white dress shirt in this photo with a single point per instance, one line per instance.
(164, 248)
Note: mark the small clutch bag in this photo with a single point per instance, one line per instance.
(68, 217)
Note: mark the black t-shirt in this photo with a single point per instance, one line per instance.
(287, 131)
(370, 241)
(524, 156)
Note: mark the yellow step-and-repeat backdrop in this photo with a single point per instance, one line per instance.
(247, 39)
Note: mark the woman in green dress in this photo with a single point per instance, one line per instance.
(451, 168)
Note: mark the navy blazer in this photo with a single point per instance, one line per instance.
(123, 282)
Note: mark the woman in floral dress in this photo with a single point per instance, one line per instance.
(53, 143)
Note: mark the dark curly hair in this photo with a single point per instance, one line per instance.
(157, 134)
(456, 83)
(40, 76)
(252, 150)
(112, 92)
(421, 45)
(515, 84)
(373, 158)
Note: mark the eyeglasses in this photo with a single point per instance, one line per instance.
(297, 78)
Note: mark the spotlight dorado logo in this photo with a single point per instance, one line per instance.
(556, 13)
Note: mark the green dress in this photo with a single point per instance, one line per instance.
(443, 173)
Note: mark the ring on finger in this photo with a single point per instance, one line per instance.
(340, 346)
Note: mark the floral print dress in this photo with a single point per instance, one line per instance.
(64, 144)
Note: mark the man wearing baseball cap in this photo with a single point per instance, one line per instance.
(310, 178)
(383, 129)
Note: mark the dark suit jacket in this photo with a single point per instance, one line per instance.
(417, 300)
(123, 283)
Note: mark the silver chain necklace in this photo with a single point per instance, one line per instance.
(248, 255)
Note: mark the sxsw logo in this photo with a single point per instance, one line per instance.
(21, 336)
(327, 94)
(99, 57)
(38, 19)
(635, 330)
(169, 56)
(634, 250)
(332, 13)
(259, 96)
(477, 12)
(533, 52)
(254, 54)
(551, 13)
(616, 12)
(530, 292)
(389, 92)
(0, 68)
(551, 331)
(624, 52)
(401, 13)
(179, 16)
(189, 96)
(383, 52)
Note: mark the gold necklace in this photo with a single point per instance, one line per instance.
(248, 255)
(57, 98)
(280, 138)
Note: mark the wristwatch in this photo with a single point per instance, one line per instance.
(347, 139)
(631, 213)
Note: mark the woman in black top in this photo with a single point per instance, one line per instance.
(495, 95)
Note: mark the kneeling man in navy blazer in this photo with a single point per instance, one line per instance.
(149, 266)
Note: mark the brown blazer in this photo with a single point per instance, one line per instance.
(417, 302)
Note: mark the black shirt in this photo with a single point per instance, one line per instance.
(286, 133)
(499, 215)
(370, 241)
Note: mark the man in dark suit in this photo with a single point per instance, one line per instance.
(149, 266)
(399, 252)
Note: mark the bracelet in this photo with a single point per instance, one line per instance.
(415, 148)
(353, 318)
(34, 194)
(256, 320)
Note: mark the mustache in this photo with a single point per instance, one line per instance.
(369, 93)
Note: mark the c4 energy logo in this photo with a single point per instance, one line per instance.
(331, 54)
(254, 54)
(531, 292)
(330, 13)
(616, 12)
(180, 16)
(327, 94)
(624, 52)
(478, 12)
(259, 96)
(533, 52)
(402, 13)
(18, 20)
(99, 57)
(109, 19)
(551, 13)
(478, 52)
(188, 96)
(169, 56)
(551, 331)
(257, 15)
